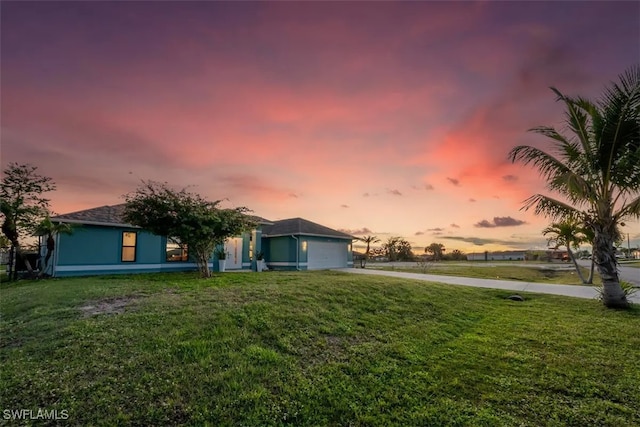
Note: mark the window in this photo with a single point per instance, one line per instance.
(129, 246)
(176, 251)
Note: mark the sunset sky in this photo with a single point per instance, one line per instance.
(383, 118)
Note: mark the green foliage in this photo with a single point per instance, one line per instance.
(314, 349)
(594, 169)
(397, 249)
(22, 204)
(221, 254)
(436, 250)
(4, 241)
(457, 255)
(48, 228)
(194, 221)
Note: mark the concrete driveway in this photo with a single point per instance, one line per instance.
(589, 292)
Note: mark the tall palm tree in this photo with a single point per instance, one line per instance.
(568, 233)
(368, 240)
(595, 169)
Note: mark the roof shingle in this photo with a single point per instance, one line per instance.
(112, 215)
(301, 226)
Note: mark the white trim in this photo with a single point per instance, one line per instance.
(287, 264)
(132, 266)
(246, 264)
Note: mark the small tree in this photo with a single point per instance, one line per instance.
(397, 249)
(567, 233)
(49, 229)
(196, 222)
(458, 255)
(22, 205)
(435, 249)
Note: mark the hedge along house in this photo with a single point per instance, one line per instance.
(299, 244)
(102, 243)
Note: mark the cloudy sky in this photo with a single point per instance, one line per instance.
(385, 118)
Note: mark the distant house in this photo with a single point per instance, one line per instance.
(104, 244)
(497, 256)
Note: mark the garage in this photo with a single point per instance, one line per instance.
(323, 255)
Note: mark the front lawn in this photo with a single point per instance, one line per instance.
(313, 349)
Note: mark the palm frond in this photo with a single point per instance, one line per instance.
(629, 210)
(548, 165)
(619, 130)
(577, 118)
(550, 207)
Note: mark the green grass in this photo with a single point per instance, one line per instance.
(539, 273)
(314, 349)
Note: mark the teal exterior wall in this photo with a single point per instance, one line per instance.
(94, 250)
(98, 250)
(281, 252)
(92, 245)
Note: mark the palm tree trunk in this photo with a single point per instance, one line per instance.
(613, 295)
(590, 279)
(575, 264)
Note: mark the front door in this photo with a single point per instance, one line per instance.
(233, 248)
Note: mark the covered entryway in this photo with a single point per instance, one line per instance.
(233, 248)
(322, 255)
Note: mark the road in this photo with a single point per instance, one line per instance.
(628, 274)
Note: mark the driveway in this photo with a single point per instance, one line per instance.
(588, 292)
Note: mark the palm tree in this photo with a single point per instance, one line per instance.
(368, 240)
(595, 170)
(567, 233)
(50, 229)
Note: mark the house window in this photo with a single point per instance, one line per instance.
(176, 252)
(129, 246)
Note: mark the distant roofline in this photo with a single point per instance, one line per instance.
(334, 236)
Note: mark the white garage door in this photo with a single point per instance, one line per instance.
(326, 255)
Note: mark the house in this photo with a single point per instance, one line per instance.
(299, 244)
(497, 256)
(102, 243)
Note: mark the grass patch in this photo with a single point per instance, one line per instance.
(538, 273)
(313, 349)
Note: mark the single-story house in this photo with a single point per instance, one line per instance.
(102, 243)
(497, 256)
(299, 244)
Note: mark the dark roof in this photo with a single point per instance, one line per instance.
(102, 215)
(300, 226)
(111, 215)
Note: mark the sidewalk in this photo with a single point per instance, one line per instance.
(576, 291)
